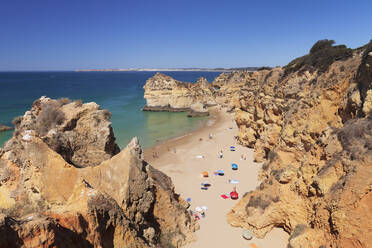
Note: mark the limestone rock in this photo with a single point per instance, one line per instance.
(80, 133)
(47, 201)
(163, 93)
(312, 130)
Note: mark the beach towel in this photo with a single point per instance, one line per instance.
(204, 188)
(253, 245)
(233, 181)
(224, 196)
(199, 156)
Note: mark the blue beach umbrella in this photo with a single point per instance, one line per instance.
(234, 166)
(220, 172)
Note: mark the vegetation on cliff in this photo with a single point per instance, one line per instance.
(322, 54)
(310, 124)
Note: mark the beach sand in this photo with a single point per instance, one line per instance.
(184, 167)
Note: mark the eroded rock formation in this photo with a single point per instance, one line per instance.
(163, 93)
(65, 183)
(311, 125)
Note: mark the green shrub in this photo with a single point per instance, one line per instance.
(50, 117)
(258, 202)
(17, 120)
(264, 68)
(298, 230)
(322, 54)
(364, 74)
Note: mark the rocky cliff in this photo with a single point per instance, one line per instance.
(163, 93)
(310, 124)
(65, 183)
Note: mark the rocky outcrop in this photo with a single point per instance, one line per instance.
(163, 93)
(51, 199)
(228, 86)
(80, 133)
(4, 128)
(310, 124)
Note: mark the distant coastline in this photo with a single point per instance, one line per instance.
(176, 69)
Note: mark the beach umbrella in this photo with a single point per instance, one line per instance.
(220, 172)
(204, 208)
(188, 200)
(232, 147)
(234, 166)
(205, 174)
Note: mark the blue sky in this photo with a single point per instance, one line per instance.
(73, 34)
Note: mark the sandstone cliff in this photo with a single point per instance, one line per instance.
(163, 93)
(310, 123)
(65, 183)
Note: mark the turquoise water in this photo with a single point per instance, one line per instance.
(119, 92)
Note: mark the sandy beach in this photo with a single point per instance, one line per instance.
(186, 157)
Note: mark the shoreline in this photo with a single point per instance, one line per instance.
(213, 120)
(196, 152)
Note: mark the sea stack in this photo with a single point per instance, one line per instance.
(163, 93)
(65, 182)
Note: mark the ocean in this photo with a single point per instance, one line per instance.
(119, 92)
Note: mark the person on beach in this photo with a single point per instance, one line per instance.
(210, 136)
(155, 155)
(221, 154)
